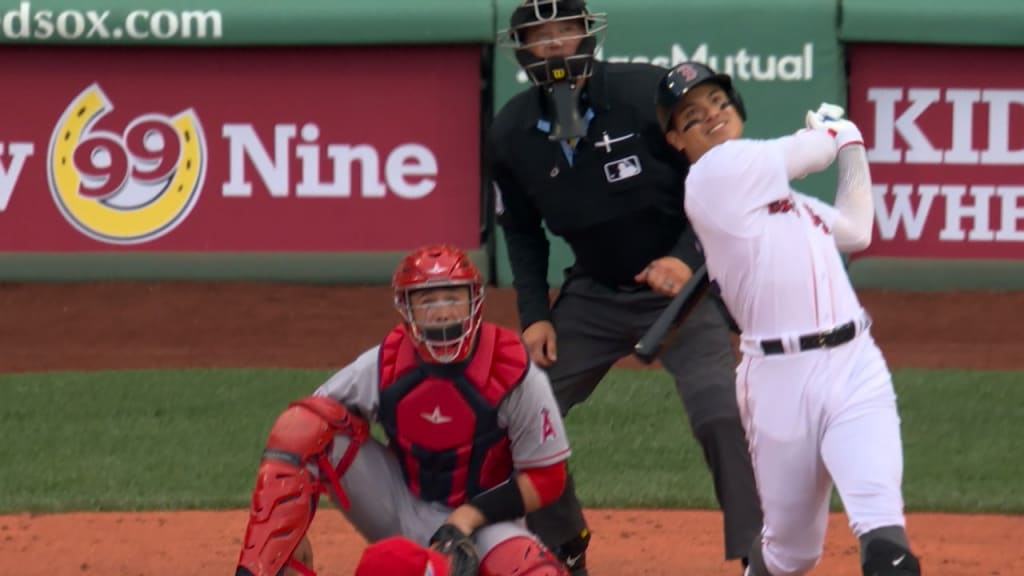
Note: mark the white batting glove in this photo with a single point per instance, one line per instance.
(830, 117)
(831, 111)
(825, 112)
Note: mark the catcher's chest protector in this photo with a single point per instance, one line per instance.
(442, 420)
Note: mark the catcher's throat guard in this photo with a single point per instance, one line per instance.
(563, 96)
(293, 472)
(558, 77)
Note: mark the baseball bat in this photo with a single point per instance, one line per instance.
(651, 343)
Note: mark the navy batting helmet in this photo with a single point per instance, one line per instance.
(680, 79)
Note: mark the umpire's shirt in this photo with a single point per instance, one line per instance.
(615, 197)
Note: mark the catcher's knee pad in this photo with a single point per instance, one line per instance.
(293, 473)
(886, 558)
(521, 556)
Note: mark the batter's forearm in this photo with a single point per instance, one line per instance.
(807, 152)
(854, 200)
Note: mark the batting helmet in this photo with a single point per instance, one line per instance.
(536, 12)
(521, 555)
(439, 266)
(680, 79)
(399, 556)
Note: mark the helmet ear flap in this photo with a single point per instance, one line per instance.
(737, 101)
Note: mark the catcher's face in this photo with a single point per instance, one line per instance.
(557, 38)
(433, 307)
(703, 119)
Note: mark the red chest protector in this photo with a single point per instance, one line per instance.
(442, 420)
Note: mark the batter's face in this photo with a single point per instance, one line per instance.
(559, 38)
(702, 120)
(440, 306)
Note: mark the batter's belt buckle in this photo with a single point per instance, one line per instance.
(823, 337)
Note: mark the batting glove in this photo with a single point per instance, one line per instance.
(830, 117)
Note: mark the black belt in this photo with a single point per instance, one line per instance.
(828, 339)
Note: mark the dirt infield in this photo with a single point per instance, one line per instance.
(157, 325)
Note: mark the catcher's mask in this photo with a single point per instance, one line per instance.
(557, 76)
(440, 294)
(681, 79)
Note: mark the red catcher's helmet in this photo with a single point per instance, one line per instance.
(440, 266)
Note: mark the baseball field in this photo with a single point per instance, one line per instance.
(132, 416)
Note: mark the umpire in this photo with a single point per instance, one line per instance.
(582, 152)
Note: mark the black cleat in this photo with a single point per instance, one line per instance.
(885, 558)
(574, 553)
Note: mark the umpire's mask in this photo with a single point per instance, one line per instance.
(541, 34)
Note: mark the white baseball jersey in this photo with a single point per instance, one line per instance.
(769, 248)
(813, 416)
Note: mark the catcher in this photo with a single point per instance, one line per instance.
(475, 439)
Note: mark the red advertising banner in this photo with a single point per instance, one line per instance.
(277, 149)
(944, 127)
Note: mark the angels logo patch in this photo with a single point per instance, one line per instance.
(547, 430)
(618, 170)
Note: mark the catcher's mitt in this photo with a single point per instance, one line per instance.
(463, 559)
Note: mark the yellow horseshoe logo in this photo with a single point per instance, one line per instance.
(101, 218)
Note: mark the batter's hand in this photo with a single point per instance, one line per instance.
(830, 117)
(666, 275)
(540, 341)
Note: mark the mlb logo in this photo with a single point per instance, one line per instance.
(622, 169)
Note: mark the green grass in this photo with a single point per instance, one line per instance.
(191, 439)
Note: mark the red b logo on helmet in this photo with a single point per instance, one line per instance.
(688, 72)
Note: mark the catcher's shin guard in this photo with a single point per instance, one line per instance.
(521, 556)
(293, 473)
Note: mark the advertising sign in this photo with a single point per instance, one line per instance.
(944, 127)
(262, 150)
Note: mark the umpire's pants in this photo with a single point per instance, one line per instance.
(596, 326)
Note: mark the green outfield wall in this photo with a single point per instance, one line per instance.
(946, 22)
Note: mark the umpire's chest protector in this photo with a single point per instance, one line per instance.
(601, 182)
(442, 420)
(623, 164)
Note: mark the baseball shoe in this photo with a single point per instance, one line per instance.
(574, 554)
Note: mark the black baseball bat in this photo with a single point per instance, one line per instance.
(650, 345)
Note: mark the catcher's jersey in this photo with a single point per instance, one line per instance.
(770, 249)
(529, 412)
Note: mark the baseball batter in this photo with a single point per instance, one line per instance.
(475, 439)
(813, 388)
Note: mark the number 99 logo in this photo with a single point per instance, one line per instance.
(125, 188)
